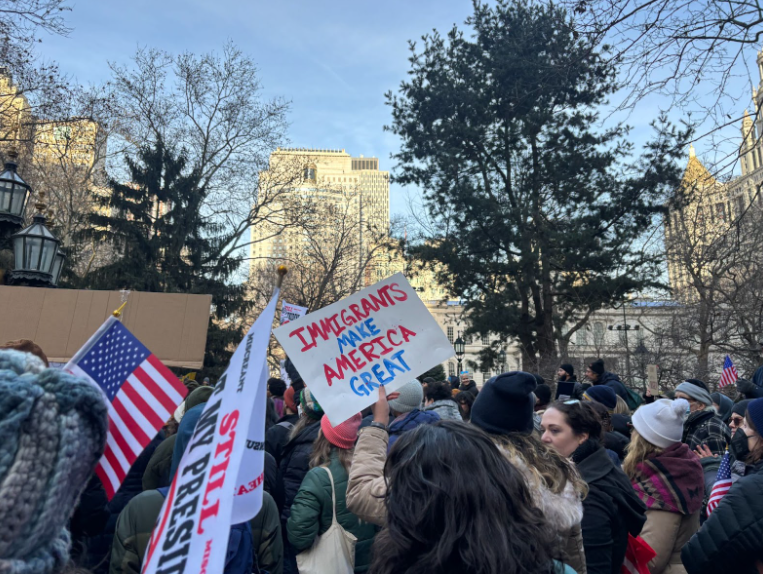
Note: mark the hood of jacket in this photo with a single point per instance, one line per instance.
(447, 409)
(563, 510)
(413, 419)
(725, 405)
(672, 480)
(598, 470)
(185, 431)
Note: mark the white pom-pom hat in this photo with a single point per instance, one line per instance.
(661, 423)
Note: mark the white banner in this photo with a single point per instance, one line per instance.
(222, 457)
(380, 336)
(291, 312)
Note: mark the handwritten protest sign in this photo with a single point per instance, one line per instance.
(653, 378)
(291, 312)
(380, 336)
(224, 459)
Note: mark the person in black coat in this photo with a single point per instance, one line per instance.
(612, 510)
(599, 376)
(277, 436)
(731, 540)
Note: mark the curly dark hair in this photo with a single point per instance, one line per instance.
(455, 504)
(439, 391)
(582, 418)
(465, 398)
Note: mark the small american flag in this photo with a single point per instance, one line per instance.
(722, 483)
(730, 374)
(142, 394)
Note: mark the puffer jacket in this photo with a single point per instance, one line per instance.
(446, 409)
(704, 427)
(612, 381)
(157, 473)
(731, 540)
(410, 421)
(312, 512)
(295, 463)
(366, 486)
(563, 510)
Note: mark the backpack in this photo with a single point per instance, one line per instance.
(633, 399)
(240, 556)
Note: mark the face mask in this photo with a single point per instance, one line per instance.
(738, 446)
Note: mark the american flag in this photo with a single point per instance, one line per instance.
(730, 374)
(722, 483)
(142, 394)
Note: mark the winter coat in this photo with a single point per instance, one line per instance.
(447, 410)
(267, 537)
(704, 427)
(470, 387)
(610, 511)
(312, 512)
(671, 484)
(410, 421)
(731, 540)
(157, 473)
(562, 510)
(613, 381)
(622, 424)
(366, 486)
(617, 443)
(295, 464)
(277, 436)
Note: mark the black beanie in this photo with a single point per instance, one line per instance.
(569, 369)
(741, 407)
(506, 404)
(597, 367)
(292, 371)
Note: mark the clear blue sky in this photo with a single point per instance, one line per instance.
(333, 60)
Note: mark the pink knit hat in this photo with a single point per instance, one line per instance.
(343, 435)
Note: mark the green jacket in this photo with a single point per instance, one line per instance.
(137, 520)
(157, 473)
(311, 513)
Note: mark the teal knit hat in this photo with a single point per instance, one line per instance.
(54, 429)
(310, 405)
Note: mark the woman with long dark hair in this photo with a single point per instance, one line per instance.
(611, 510)
(454, 504)
(465, 401)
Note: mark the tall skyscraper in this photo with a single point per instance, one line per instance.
(341, 202)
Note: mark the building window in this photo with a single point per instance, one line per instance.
(62, 132)
(451, 369)
(720, 211)
(485, 376)
(310, 173)
(581, 337)
(450, 335)
(598, 334)
(485, 340)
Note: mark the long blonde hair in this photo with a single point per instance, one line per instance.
(322, 450)
(639, 449)
(547, 466)
(621, 408)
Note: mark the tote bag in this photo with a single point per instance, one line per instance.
(332, 553)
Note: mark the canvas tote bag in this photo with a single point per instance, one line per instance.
(332, 553)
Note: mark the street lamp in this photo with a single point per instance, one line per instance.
(58, 266)
(502, 359)
(460, 347)
(35, 249)
(14, 193)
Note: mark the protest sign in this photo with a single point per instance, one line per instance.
(380, 336)
(291, 312)
(653, 379)
(223, 460)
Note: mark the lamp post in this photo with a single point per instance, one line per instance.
(460, 347)
(14, 194)
(502, 359)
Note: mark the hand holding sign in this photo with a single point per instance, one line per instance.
(382, 336)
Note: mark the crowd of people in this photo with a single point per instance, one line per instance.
(436, 477)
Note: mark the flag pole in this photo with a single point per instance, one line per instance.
(282, 271)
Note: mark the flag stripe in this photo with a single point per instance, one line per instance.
(148, 392)
(122, 433)
(148, 413)
(156, 390)
(112, 461)
(111, 443)
(108, 486)
(136, 422)
(170, 377)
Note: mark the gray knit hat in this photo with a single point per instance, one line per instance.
(53, 427)
(410, 396)
(696, 392)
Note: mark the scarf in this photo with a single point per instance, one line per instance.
(672, 480)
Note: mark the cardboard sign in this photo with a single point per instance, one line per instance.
(653, 379)
(224, 459)
(291, 312)
(380, 336)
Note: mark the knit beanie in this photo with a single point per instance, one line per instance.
(661, 423)
(54, 429)
(755, 414)
(603, 395)
(342, 435)
(740, 408)
(310, 405)
(597, 367)
(27, 346)
(567, 368)
(696, 392)
(506, 404)
(408, 398)
(288, 399)
(698, 383)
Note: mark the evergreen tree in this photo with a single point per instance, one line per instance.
(540, 212)
(164, 243)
